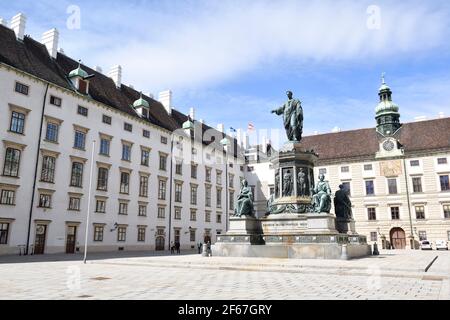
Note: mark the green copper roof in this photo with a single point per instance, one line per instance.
(141, 103)
(224, 142)
(78, 72)
(188, 125)
(386, 107)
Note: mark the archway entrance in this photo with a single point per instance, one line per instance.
(398, 238)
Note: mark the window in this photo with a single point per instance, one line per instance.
(231, 200)
(124, 182)
(442, 161)
(106, 119)
(142, 210)
(178, 192)
(194, 151)
(74, 203)
(219, 218)
(241, 168)
(345, 169)
(128, 127)
(417, 184)
(219, 198)
(422, 235)
(126, 152)
(145, 157)
(17, 122)
(373, 236)
(371, 214)
(193, 216)
(161, 212)
(208, 196)
(55, 101)
(368, 167)
(7, 197)
(100, 206)
(179, 168)
(123, 208)
(370, 189)
(231, 180)
(395, 213)
(163, 140)
(162, 190)
(347, 187)
(104, 147)
(98, 233)
(52, 132)
(162, 162)
(48, 169)
(12, 161)
(446, 208)
(193, 171)
(143, 186)
(207, 216)
(82, 111)
(219, 177)
(82, 86)
(445, 185)
(145, 133)
(192, 235)
(392, 186)
(420, 212)
(323, 171)
(414, 163)
(4, 230)
(80, 140)
(121, 234)
(76, 179)
(177, 213)
(208, 174)
(22, 88)
(102, 179)
(194, 195)
(141, 234)
(45, 200)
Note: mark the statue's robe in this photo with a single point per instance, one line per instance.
(292, 112)
(342, 205)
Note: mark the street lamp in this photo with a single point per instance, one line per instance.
(89, 203)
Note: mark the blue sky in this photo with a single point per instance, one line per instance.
(234, 60)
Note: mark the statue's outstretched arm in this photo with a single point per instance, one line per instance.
(278, 111)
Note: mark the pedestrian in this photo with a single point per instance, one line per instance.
(199, 246)
(208, 249)
(172, 248)
(177, 247)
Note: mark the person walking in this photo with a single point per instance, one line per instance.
(199, 246)
(172, 248)
(177, 247)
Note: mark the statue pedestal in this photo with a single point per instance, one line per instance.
(244, 225)
(311, 223)
(346, 226)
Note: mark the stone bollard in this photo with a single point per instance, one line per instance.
(375, 250)
(204, 250)
(344, 255)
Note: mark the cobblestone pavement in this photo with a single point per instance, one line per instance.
(392, 275)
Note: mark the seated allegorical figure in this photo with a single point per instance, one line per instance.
(244, 205)
(321, 199)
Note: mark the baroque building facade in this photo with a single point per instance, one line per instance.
(158, 176)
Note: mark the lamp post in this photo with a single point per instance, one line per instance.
(89, 203)
(225, 143)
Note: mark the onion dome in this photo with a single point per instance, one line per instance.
(141, 103)
(78, 72)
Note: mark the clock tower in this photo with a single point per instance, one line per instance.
(386, 112)
(388, 123)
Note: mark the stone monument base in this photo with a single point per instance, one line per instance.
(290, 236)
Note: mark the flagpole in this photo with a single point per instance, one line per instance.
(89, 203)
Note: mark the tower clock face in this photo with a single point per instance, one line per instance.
(388, 145)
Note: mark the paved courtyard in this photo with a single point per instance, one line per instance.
(392, 275)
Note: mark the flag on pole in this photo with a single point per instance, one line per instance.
(251, 127)
(232, 129)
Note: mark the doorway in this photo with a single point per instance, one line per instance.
(159, 244)
(71, 239)
(398, 239)
(39, 242)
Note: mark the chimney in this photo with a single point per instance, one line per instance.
(165, 97)
(420, 118)
(131, 86)
(336, 130)
(441, 115)
(50, 40)
(18, 23)
(116, 74)
(61, 50)
(192, 113)
(98, 69)
(3, 22)
(246, 141)
(221, 127)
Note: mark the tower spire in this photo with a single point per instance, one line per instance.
(383, 80)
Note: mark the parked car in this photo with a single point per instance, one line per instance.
(441, 245)
(426, 245)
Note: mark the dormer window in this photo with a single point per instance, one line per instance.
(142, 107)
(80, 79)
